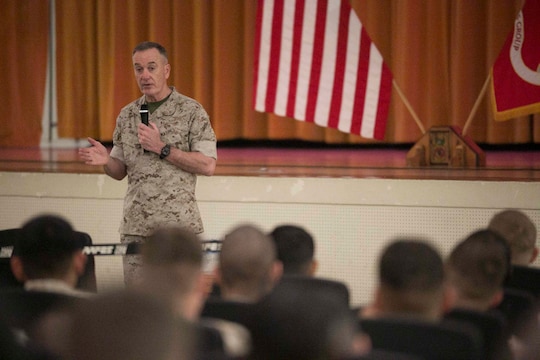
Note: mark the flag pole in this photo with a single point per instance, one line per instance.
(476, 104)
(408, 106)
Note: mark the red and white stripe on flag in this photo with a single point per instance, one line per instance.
(516, 72)
(315, 62)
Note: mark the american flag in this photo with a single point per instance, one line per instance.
(516, 72)
(315, 62)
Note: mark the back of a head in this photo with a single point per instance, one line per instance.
(127, 325)
(172, 245)
(246, 260)
(172, 261)
(295, 249)
(478, 266)
(46, 245)
(411, 278)
(302, 323)
(519, 232)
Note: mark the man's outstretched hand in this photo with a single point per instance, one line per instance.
(96, 154)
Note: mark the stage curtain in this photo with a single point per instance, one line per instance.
(24, 35)
(440, 53)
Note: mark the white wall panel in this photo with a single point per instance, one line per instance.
(351, 219)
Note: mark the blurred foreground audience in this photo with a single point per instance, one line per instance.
(172, 260)
(48, 258)
(130, 326)
(475, 272)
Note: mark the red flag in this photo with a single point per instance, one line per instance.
(516, 72)
(315, 62)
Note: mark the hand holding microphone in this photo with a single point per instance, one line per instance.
(149, 134)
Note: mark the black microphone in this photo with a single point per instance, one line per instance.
(143, 111)
(144, 114)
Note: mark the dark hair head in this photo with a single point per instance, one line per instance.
(480, 264)
(47, 234)
(46, 245)
(295, 248)
(411, 265)
(147, 45)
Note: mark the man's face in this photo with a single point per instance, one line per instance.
(151, 73)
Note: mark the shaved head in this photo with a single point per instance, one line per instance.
(246, 259)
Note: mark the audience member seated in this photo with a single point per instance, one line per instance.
(409, 303)
(295, 323)
(411, 282)
(475, 270)
(172, 259)
(48, 259)
(248, 267)
(520, 234)
(172, 272)
(9, 237)
(247, 271)
(49, 256)
(296, 251)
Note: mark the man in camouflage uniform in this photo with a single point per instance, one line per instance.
(161, 160)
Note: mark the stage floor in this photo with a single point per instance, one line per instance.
(278, 161)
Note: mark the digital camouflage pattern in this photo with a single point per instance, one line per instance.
(159, 192)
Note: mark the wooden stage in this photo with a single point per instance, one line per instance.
(514, 164)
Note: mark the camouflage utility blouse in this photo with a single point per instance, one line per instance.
(159, 192)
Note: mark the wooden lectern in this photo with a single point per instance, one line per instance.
(445, 146)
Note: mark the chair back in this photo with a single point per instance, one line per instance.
(430, 341)
(518, 307)
(8, 238)
(22, 309)
(525, 278)
(235, 311)
(493, 327)
(87, 281)
(384, 355)
(338, 288)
